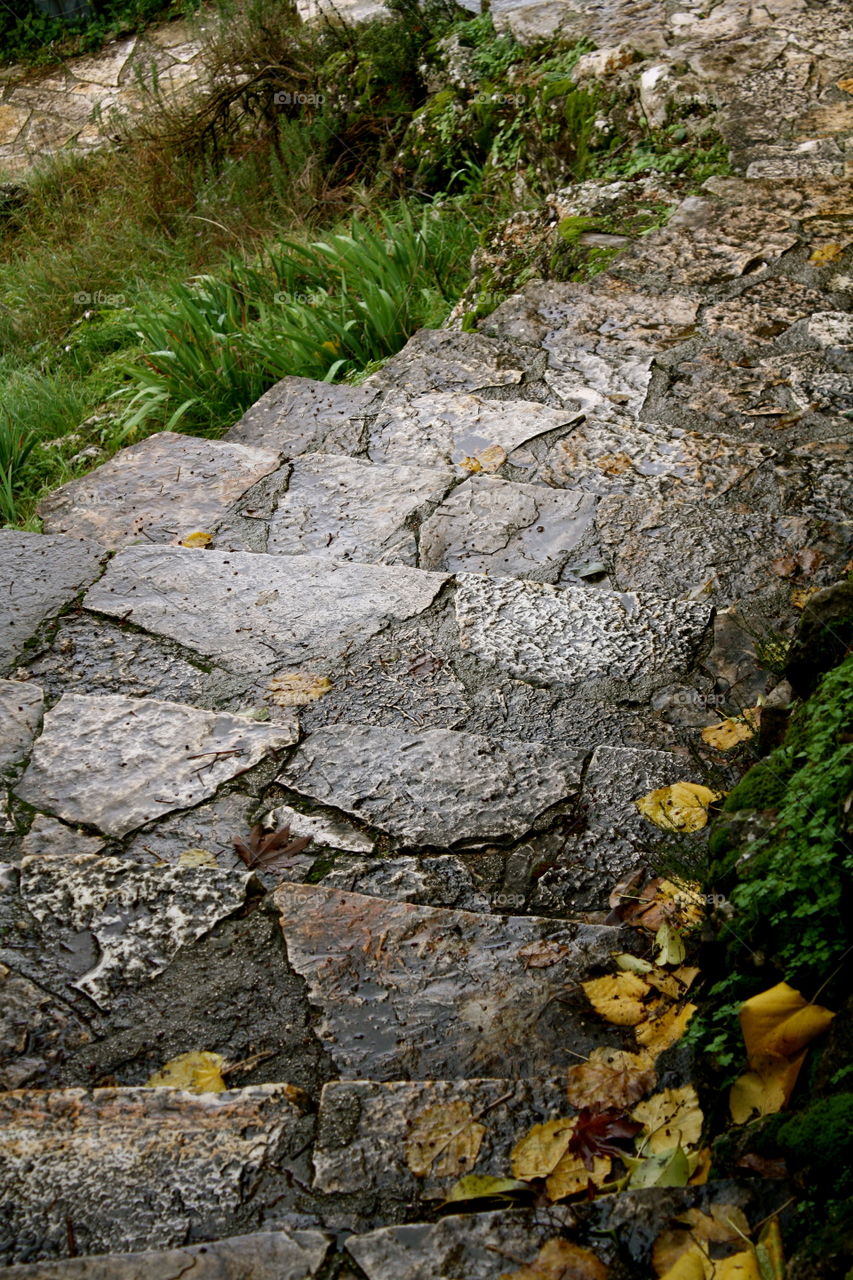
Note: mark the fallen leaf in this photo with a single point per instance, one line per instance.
(539, 1152)
(671, 1117)
(771, 1256)
(683, 806)
(663, 1027)
(633, 964)
(728, 733)
(560, 1260)
(628, 887)
(846, 86)
(444, 1140)
(611, 1078)
(800, 596)
(676, 901)
(738, 1266)
(571, 1176)
(618, 998)
(724, 1225)
(779, 1022)
(298, 689)
(693, 1264)
(599, 1133)
(665, 1169)
(542, 954)
(676, 984)
(700, 1166)
(763, 1165)
(269, 850)
(196, 540)
(482, 1187)
(197, 858)
(670, 944)
(199, 1072)
(766, 1089)
(489, 460)
(826, 253)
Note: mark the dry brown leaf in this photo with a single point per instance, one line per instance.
(779, 1022)
(444, 1140)
(683, 806)
(663, 1027)
(540, 1150)
(728, 733)
(199, 1072)
(678, 902)
(766, 1089)
(542, 954)
(611, 1078)
(561, 1260)
(297, 689)
(571, 1175)
(618, 998)
(672, 1117)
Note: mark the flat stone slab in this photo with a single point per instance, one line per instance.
(138, 917)
(265, 1255)
(116, 763)
(348, 509)
(39, 574)
(162, 489)
(21, 705)
(571, 635)
(298, 413)
(476, 1246)
(444, 360)
(366, 1128)
(492, 526)
(442, 881)
(406, 992)
(435, 787)
(254, 612)
(188, 1164)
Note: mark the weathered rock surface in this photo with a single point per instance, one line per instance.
(406, 992)
(38, 576)
(21, 706)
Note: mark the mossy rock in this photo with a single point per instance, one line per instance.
(763, 787)
(571, 229)
(824, 637)
(818, 1142)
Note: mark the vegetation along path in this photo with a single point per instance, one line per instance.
(356, 905)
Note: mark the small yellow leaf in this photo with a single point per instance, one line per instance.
(444, 1140)
(610, 1078)
(800, 596)
(197, 540)
(826, 253)
(197, 858)
(571, 1176)
(766, 1089)
(663, 1027)
(618, 998)
(482, 1186)
(198, 1072)
(738, 1266)
(670, 944)
(680, 807)
(632, 964)
(488, 460)
(297, 689)
(676, 984)
(560, 1260)
(779, 1022)
(728, 733)
(672, 1117)
(539, 1152)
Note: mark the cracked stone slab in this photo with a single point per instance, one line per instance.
(35, 1030)
(162, 489)
(21, 706)
(407, 992)
(437, 360)
(571, 635)
(616, 838)
(488, 525)
(47, 836)
(441, 429)
(349, 509)
(139, 917)
(188, 1165)
(442, 881)
(264, 1255)
(116, 763)
(325, 831)
(763, 311)
(297, 414)
(258, 612)
(476, 1246)
(39, 575)
(365, 1126)
(434, 787)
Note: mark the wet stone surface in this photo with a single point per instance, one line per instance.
(406, 992)
(21, 707)
(38, 577)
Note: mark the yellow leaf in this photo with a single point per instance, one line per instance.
(692, 1264)
(571, 1175)
(695, 1229)
(765, 1090)
(632, 964)
(297, 689)
(663, 1027)
(728, 733)
(617, 998)
(677, 901)
(700, 1167)
(197, 858)
(680, 807)
(670, 944)
(199, 1072)
(669, 1168)
(826, 253)
(770, 1250)
(610, 1078)
(778, 1023)
(481, 1186)
(197, 540)
(560, 1260)
(676, 984)
(539, 1152)
(738, 1266)
(672, 1117)
(444, 1140)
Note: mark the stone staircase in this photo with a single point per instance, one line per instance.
(449, 624)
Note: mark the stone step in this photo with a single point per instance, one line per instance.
(406, 992)
(122, 1170)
